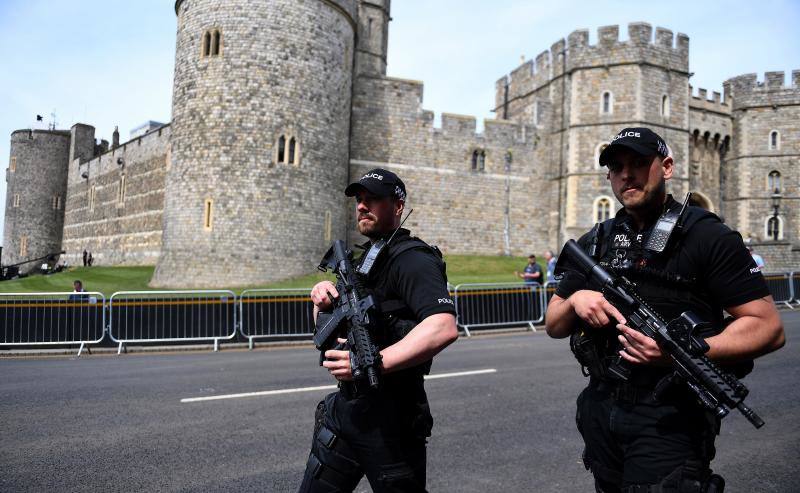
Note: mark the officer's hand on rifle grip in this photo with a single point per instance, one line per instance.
(338, 363)
(594, 309)
(640, 349)
(323, 294)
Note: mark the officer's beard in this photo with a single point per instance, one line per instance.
(651, 204)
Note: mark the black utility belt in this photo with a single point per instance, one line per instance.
(394, 388)
(625, 392)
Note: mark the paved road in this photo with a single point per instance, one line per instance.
(109, 423)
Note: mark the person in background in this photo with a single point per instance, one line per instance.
(532, 273)
(551, 264)
(77, 290)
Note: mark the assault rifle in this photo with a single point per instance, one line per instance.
(354, 315)
(715, 388)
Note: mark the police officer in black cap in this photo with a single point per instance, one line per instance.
(382, 434)
(638, 440)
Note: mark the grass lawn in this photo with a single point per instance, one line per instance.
(107, 280)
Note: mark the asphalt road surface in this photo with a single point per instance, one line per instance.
(118, 423)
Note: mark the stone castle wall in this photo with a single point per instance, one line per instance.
(758, 109)
(284, 69)
(118, 228)
(562, 91)
(35, 194)
(315, 71)
(710, 127)
(461, 209)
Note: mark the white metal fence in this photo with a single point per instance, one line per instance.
(275, 313)
(492, 305)
(82, 319)
(171, 316)
(48, 319)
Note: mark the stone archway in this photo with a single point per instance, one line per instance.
(700, 200)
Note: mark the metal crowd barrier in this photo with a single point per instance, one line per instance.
(549, 291)
(794, 279)
(781, 287)
(271, 313)
(498, 305)
(46, 319)
(172, 316)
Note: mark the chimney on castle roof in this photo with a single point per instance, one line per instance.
(115, 138)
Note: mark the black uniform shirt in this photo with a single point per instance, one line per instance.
(710, 255)
(416, 278)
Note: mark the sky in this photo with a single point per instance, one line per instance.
(109, 62)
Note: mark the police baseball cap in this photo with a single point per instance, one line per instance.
(380, 182)
(641, 140)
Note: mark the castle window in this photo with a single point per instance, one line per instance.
(597, 151)
(537, 113)
(607, 103)
(774, 140)
(56, 202)
(23, 246)
(12, 166)
(208, 215)
(281, 149)
(292, 151)
(602, 209)
(665, 105)
(478, 160)
(773, 225)
(92, 195)
(774, 182)
(328, 234)
(206, 44)
(216, 47)
(121, 191)
(16, 200)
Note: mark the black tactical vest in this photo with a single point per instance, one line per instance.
(667, 280)
(397, 319)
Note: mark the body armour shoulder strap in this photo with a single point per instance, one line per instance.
(389, 306)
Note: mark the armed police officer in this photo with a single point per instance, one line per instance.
(644, 432)
(382, 433)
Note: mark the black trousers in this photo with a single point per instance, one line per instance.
(378, 436)
(630, 442)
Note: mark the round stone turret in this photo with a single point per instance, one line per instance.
(260, 133)
(37, 186)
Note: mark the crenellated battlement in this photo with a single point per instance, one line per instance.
(575, 52)
(666, 49)
(700, 101)
(747, 91)
(136, 150)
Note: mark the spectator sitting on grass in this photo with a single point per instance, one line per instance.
(532, 273)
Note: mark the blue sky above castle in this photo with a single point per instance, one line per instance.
(110, 62)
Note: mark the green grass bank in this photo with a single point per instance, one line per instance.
(107, 280)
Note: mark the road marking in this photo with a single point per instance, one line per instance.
(460, 374)
(321, 387)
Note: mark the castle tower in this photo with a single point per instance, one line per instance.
(259, 158)
(641, 82)
(580, 95)
(36, 187)
(373, 37)
(762, 160)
